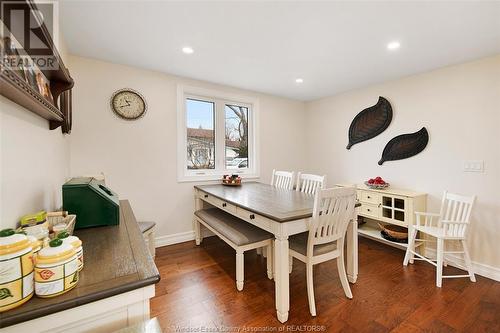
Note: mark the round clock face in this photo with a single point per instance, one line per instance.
(128, 104)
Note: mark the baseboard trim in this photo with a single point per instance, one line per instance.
(174, 238)
(454, 260)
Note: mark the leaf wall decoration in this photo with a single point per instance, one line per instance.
(405, 145)
(370, 122)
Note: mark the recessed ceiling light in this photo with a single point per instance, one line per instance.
(393, 45)
(299, 80)
(187, 50)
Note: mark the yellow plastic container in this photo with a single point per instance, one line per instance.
(16, 273)
(56, 270)
(77, 245)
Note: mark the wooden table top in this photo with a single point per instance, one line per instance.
(280, 205)
(116, 260)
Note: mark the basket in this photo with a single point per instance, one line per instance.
(61, 218)
(394, 231)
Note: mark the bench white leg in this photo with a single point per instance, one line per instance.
(240, 266)
(269, 261)
(290, 264)
(259, 250)
(197, 232)
(264, 252)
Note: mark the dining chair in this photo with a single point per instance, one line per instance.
(280, 179)
(283, 179)
(332, 212)
(309, 183)
(450, 224)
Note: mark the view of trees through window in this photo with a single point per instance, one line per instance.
(201, 122)
(236, 137)
(200, 116)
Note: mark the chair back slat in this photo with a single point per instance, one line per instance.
(283, 179)
(309, 183)
(333, 209)
(457, 210)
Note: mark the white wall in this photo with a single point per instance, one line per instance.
(459, 105)
(34, 163)
(139, 157)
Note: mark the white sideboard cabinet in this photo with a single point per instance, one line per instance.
(391, 205)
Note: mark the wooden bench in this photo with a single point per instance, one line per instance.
(148, 232)
(238, 234)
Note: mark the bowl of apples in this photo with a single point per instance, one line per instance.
(231, 180)
(377, 183)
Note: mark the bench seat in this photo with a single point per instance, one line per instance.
(234, 229)
(239, 234)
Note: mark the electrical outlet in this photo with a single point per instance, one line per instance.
(474, 166)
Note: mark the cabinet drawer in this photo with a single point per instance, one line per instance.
(218, 202)
(370, 197)
(369, 210)
(254, 219)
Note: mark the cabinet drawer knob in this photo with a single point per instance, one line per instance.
(224, 204)
(368, 209)
(369, 197)
(205, 196)
(252, 216)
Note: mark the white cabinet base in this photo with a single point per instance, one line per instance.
(106, 315)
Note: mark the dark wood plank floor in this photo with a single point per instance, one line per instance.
(197, 293)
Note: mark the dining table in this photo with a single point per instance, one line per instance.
(282, 212)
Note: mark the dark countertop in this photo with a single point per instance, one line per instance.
(280, 205)
(116, 260)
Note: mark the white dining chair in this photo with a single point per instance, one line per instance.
(332, 212)
(283, 179)
(280, 179)
(309, 183)
(450, 224)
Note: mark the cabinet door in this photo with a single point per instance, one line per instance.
(393, 209)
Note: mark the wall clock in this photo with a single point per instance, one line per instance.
(128, 104)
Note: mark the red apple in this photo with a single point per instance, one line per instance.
(371, 181)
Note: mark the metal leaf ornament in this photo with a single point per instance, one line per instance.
(405, 145)
(370, 122)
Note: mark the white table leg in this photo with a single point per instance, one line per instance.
(352, 250)
(281, 280)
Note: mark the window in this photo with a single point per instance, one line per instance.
(216, 135)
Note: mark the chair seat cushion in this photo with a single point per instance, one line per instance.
(236, 230)
(145, 226)
(298, 243)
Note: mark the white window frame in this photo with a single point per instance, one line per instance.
(220, 99)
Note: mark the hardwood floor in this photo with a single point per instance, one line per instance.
(197, 293)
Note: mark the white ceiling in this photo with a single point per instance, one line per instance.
(265, 46)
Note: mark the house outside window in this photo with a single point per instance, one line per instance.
(216, 135)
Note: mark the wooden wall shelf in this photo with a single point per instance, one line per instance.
(17, 89)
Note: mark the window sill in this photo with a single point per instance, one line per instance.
(201, 178)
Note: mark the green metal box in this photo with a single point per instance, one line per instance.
(93, 203)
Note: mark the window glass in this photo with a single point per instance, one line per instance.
(200, 118)
(236, 136)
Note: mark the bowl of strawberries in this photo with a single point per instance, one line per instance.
(377, 183)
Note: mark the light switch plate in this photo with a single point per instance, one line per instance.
(474, 166)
